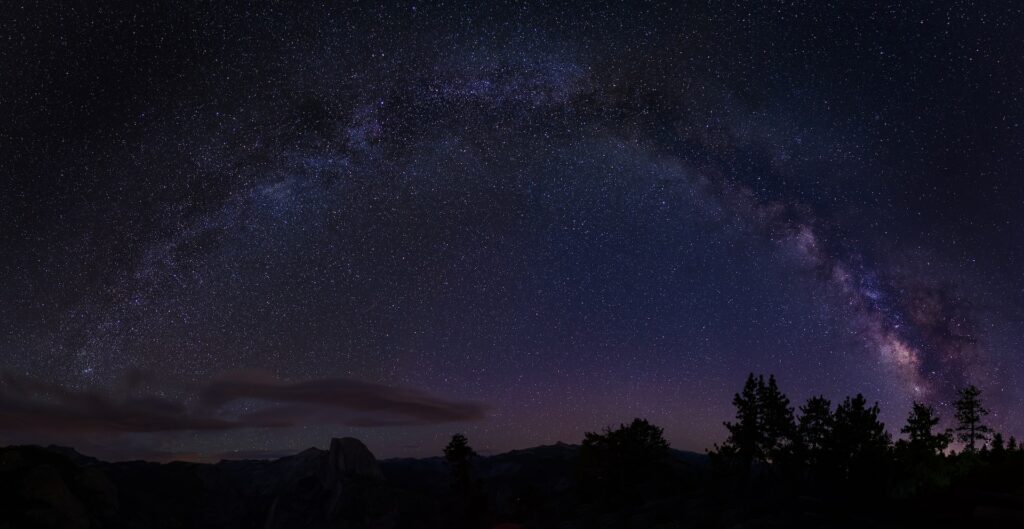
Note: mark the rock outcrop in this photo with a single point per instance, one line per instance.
(42, 488)
(343, 487)
(349, 458)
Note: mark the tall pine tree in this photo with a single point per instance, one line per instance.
(459, 456)
(815, 429)
(778, 429)
(744, 442)
(969, 414)
(764, 430)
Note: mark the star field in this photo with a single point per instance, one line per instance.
(517, 221)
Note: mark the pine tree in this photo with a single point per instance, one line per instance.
(777, 427)
(764, 429)
(744, 434)
(470, 504)
(859, 444)
(998, 445)
(969, 414)
(815, 429)
(919, 427)
(1012, 445)
(815, 422)
(459, 456)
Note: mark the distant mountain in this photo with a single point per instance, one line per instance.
(58, 487)
(344, 486)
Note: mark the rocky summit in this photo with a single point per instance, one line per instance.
(349, 457)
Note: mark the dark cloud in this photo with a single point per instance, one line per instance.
(372, 404)
(33, 405)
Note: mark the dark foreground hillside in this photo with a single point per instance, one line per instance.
(346, 487)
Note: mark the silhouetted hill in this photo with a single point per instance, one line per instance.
(345, 486)
(58, 487)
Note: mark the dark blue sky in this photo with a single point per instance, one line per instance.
(252, 228)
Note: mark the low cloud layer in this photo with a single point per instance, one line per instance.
(29, 405)
(361, 403)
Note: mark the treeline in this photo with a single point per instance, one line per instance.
(846, 449)
(781, 455)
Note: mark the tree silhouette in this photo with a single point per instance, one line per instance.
(620, 461)
(859, 445)
(969, 414)
(919, 462)
(470, 503)
(744, 442)
(778, 430)
(764, 430)
(459, 456)
(815, 429)
(920, 438)
(998, 445)
(846, 453)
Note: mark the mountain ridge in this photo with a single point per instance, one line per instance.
(343, 486)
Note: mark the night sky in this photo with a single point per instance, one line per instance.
(242, 230)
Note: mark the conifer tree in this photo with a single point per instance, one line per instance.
(920, 437)
(859, 443)
(778, 429)
(998, 445)
(470, 503)
(744, 434)
(459, 456)
(764, 430)
(969, 415)
(815, 429)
